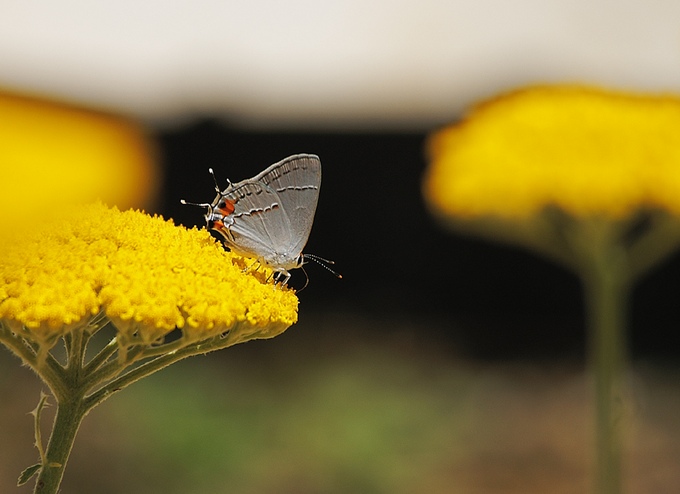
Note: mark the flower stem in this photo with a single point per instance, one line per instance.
(606, 290)
(70, 414)
(78, 385)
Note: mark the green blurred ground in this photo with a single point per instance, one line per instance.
(336, 406)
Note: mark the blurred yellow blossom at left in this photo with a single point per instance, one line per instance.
(53, 155)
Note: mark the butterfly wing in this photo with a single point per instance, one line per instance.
(296, 181)
(250, 217)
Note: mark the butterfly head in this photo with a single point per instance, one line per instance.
(219, 210)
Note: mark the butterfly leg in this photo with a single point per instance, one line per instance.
(250, 266)
(281, 277)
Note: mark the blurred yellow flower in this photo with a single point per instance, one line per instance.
(145, 274)
(54, 154)
(588, 177)
(588, 151)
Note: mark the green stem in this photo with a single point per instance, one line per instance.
(37, 414)
(50, 371)
(160, 358)
(102, 357)
(70, 414)
(658, 241)
(607, 289)
(79, 386)
(131, 377)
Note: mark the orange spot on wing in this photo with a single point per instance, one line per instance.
(226, 208)
(217, 225)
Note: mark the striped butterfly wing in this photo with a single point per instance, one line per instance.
(255, 223)
(296, 181)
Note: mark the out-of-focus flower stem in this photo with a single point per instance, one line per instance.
(605, 276)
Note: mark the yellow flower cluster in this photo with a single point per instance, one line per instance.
(146, 274)
(587, 151)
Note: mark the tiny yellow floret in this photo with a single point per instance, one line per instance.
(588, 151)
(146, 274)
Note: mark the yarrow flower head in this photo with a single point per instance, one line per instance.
(78, 272)
(145, 274)
(588, 151)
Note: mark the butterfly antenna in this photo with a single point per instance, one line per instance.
(200, 204)
(212, 174)
(322, 262)
(217, 187)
